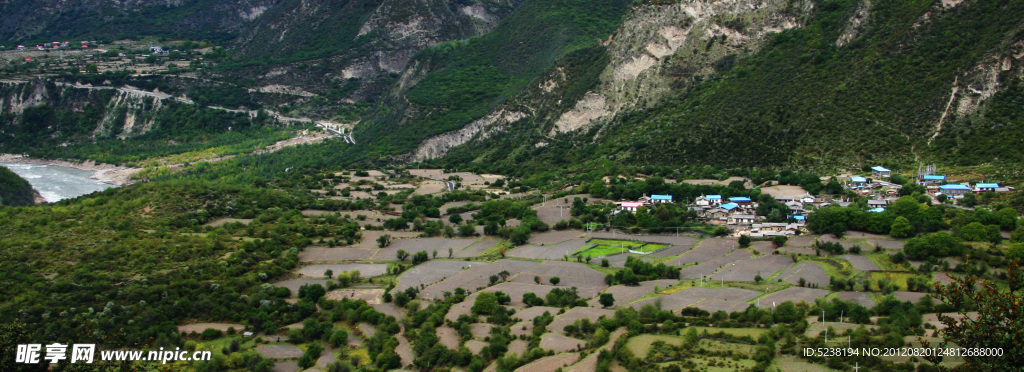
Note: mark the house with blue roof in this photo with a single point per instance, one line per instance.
(932, 179)
(657, 199)
(984, 187)
(879, 171)
(741, 200)
(876, 210)
(954, 189)
(729, 206)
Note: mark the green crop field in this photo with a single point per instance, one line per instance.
(604, 247)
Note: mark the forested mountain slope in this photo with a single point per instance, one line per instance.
(857, 82)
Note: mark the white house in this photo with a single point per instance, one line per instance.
(630, 206)
(879, 172)
(709, 200)
(742, 219)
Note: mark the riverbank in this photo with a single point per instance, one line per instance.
(106, 173)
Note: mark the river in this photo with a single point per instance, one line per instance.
(56, 183)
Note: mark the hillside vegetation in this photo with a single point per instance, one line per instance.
(14, 191)
(806, 102)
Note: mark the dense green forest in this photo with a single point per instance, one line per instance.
(14, 190)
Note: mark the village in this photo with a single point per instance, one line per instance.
(740, 213)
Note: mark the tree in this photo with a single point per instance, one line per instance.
(402, 255)
(901, 228)
(450, 252)
(974, 232)
(420, 257)
(329, 273)
(555, 280)
(779, 240)
(606, 300)
(486, 303)
(467, 230)
(1015, 252)
(744, 241)
(384, 241)
(719, 231)
(969, 200)
(520, 235)
(999, 323)
(455, 219)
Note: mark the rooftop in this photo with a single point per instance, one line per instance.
(739, 199)
(879, 169)
(934, 177)
(661, 197)
(876, 210)
(987, 185)
(954, 186)
(714, 197)
(730, 206)
(858, 179)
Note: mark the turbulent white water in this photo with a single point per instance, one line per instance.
(56, 183)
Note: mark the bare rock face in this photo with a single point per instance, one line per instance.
(658, 43)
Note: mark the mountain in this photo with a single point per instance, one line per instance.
(514, 85)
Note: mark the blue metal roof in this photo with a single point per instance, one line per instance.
(876, 210)
(798, 218)
(714, 197)
(661, 197)
(987, 185)
(954, 186)
(934, 177)
(739, 199)
(858, 179)
(880, 169)
(730, 206)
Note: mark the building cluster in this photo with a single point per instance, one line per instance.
(883, 193)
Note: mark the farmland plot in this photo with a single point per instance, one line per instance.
(746, 270)
(431, 272)
(475, 277)
(794, 294)
(809, 271)
(707, 250)
(712, 265)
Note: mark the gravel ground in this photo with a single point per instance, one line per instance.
(577, 313)
(811, 273)
(551, 363)
(862, 298)
(747, 270)
(698, 295)
(707, 250)
(560, 344)
(365, 270)
(324, 254)
(475, 277)
(548, 251)
(712, 266)
(279, 351)
(862, 263)
(794, 294)
(200, 327)
(432, 272)
(624, 294)
(572, 274)
(413, 245)
(477, 248)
